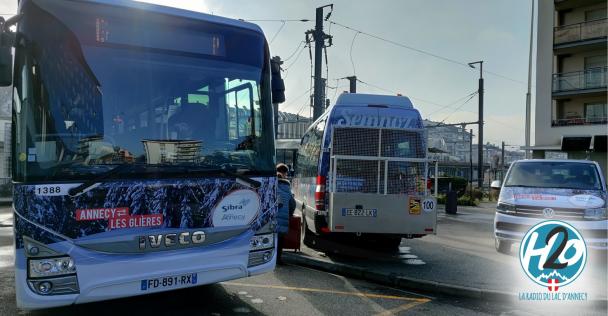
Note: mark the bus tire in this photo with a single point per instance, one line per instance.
(502, 246)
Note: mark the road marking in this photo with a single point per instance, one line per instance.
(399, 309)
(305, 289)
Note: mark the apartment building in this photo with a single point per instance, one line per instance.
(571, 70)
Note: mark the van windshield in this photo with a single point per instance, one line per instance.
(558, 175)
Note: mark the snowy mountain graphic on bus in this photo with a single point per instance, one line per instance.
(553, 275)
(123, 204)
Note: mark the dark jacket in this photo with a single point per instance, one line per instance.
(287, 204)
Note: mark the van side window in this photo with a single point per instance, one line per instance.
(310, 149)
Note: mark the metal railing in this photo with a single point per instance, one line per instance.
(579, 121)
(379, 161)
(580, 31)
(591, 78)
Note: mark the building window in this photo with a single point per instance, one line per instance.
(596, 112)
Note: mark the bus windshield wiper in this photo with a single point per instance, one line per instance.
(89, 183)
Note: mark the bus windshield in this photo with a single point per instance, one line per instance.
(85, 107)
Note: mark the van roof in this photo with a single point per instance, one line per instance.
(557, 160)
(362, 99)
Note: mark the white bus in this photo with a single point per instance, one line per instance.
(143, 146)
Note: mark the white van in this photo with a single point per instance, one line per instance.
(536, 190)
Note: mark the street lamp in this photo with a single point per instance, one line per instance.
(480, 122)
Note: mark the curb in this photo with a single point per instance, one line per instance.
(395, 280)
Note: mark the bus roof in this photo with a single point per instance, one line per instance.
(362, 99)
(179, 12)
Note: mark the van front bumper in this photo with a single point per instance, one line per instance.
(513, 228)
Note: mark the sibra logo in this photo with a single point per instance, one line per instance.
(233, 207)
(239, 207)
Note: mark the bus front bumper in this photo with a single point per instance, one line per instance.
(103, 276)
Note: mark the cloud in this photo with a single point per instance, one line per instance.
(198, 5)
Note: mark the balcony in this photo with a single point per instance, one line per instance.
(589, 80)
(579, 121)
(580, 32)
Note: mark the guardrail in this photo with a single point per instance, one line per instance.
(580, 31)
(580, 80)
(579, 121)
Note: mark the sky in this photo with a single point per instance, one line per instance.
(494, 31)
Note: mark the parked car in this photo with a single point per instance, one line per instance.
(535, 190)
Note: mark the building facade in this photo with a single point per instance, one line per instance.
(571, 70)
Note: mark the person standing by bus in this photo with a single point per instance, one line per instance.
(287, 205)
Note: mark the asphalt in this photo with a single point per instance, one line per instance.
(295, 289)
(459, 261)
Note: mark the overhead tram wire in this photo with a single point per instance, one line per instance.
(442, 106)
(294, 52)
(275, 20)
(452, 103)
(446, 59)
(295, 60)
(277, 33)
(352, 62)
(296, 99)
(459, 107)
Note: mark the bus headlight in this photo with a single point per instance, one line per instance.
(40, 268)
(595, 213)
(259, 242)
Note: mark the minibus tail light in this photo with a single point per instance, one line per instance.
(320, 194)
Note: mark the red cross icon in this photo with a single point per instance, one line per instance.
(553, 287)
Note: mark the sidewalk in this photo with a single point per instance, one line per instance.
(459, 261)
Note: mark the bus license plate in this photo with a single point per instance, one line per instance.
(354, 212)
(170, 281)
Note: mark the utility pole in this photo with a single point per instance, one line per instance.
(319, 38)
(480, 137)
(528, 94)
(502, 162)
(471, 161)
(353, 83)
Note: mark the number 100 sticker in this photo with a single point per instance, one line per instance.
(428, 205)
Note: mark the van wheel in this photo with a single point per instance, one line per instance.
(502, 246)
(307, 237)
(390, 243)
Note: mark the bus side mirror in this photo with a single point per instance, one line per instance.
(278, 85)
(495, 184)
(6, 66)
(6, 55)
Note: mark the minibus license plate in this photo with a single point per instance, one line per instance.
(170, 281)
(354, 212)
